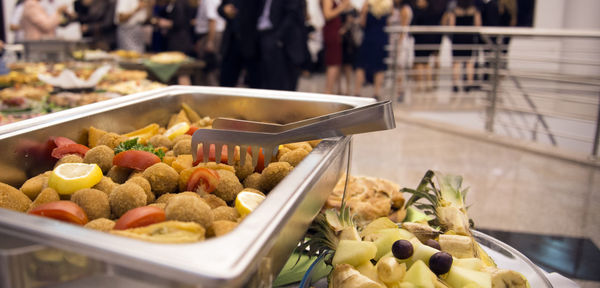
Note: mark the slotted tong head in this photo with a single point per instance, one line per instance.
(256, 135)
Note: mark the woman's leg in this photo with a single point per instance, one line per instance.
(470, 70)
(358, 83)
(378, 83)
(332, 79)
(347, 70)
(456, 75)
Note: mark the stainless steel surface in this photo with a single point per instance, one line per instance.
(260, 244)
(368, 118)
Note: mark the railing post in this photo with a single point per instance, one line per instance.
(394, 62)
(597, 134)
(491, 110)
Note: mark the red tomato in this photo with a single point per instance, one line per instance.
(140, 217)
(211, 155)
(135, 159)
(61, 141)
(208, 179)
(260, 165)
(63, 210)
(192, 130)
(67, 149)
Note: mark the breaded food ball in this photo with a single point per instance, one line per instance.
(294, 146)
(112, 140)
(314, 143)
(182, 137)
(162, 177)
(229, 186)
(142, 182)
(189, 193)
(294, 157)
(189, 209)
(119, 174)
(135, 173)
(160, 141)
(106, 185)
(273, 174)
(101, 155)
(213, 201)
(183, 147)
(253, 181)
(159, 205)
(101, 224)
(243, 171)
(34, 186)
(220, 228)
(46, 196)
(93, 202)
(71, 158)
(165, 198)
(126, 197)
(225, 213)
(11, 198)
(282, 151)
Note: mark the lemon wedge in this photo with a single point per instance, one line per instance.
(177, 129)
(247, 201)
(70, 177)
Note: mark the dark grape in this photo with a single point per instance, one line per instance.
(440, 263)
(402, 249)
(433, 244)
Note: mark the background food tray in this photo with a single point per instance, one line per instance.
(251, 255)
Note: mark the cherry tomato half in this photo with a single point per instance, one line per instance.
(204, 178)
(260, 165)
(140, 217)
(135, 159)
(192, 130)
(211, 155)
(64, 150)
(62, 210)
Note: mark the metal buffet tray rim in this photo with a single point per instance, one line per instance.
(223, 261)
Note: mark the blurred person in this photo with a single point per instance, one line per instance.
(36, 23)
(507, 13)
(349, 46)
(130, 16)
(177, 23)
(159, 34)
(332, 38)
(490, 17)
(15, 22)
(209, 29)
(239, 46)
(464, 14)
(373, 16)
(282, 40)
(97, 22)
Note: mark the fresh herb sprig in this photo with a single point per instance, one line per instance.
(132, 144)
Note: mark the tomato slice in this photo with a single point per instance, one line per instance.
(135, 159)
(260, 165)
(204, 178)
(61, 141)
(62, 210)
(192, 130)
(67, 149)
(140, 217)
(211, 155)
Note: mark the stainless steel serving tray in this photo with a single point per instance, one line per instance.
(251, 254)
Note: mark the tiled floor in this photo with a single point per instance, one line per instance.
(511, 189)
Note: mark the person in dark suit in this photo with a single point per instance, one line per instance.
(239, 46)
(282, 40)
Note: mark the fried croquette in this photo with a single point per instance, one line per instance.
(159, 205)
(119, 174)
(126, 197)
(11, 198)
(93, 202)
(314, 143)
(112, 140)
(229, 186)
(106, 185)
(220, 227)
(282, 151)
(162, 177)
(182, 137)
(165, 198)
(294, 146)
(142, 182)
(213, 201)
(160, 141)
(71, 158)
(225, 213)
(189, 193)
(189, 208)
(182, 162)
(183, 147)
(253, 181)
(273, 174)
(34, 186)
(94, 134)
(243, 171)
(101, 224)
(101, 155)
(294, 157)
(46, 196)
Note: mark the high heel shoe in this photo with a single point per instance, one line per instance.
(455, 89)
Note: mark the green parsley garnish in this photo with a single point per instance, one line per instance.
(132, 144)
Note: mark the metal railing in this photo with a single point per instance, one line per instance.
(546, 82)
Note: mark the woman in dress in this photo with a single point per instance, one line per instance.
(332, 38)
(465, 14)
(426, 13)
(372, 53)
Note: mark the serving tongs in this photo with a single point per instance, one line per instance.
(267, 136)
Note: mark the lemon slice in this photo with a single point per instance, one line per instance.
(247, 201)
(70, 177)
(176, 130)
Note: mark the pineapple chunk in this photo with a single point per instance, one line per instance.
(369, 270)
(469, 263)
(354, 252)
(389, 270)
(457, 245)
(461, 277)
(387, 237)
(369, 232)
(345, 276)
(420, 276)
